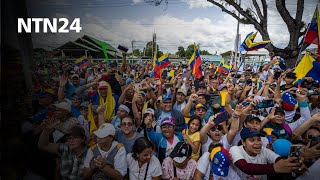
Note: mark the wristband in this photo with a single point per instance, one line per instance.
(235, 116)
(303, 104)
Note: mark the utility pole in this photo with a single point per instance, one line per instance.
(236, 44)
(132, 42)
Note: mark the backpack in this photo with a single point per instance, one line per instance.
(98, 174)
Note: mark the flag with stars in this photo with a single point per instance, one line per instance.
(220, 161)
(289, 103)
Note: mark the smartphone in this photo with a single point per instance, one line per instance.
(249, 82)
(265, 104)
(314, 141)
(123, 48)
(295, 150)
(221, 117)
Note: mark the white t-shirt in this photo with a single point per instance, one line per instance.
(170, 147)
(120, 159)
(135, 172)
(204, 166)
(265, 157)
(237, 139)
(223, 141)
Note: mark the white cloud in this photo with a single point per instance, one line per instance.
(136, 1)
(198, 3)
(213, 34)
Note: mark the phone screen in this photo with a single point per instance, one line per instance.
(295, 150)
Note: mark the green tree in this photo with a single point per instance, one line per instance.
(136, 52)
(204, 52)
(180, 52)
(256, 14)
(149, 49)
(189, 51)
(159, 53)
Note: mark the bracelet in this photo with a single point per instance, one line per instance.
(235, 116)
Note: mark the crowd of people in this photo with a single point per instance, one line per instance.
(110, 121)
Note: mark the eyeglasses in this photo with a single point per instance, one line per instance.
(219, 128)
(128, 124)
(167, 126)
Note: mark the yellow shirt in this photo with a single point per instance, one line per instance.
(194, 138)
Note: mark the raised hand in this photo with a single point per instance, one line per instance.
(63, 81)
(286, 165)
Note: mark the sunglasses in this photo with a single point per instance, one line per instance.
(128, 124)
(219, 128)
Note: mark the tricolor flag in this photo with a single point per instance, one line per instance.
(195, 62)
(192, 59)
(160, 63)
(313, 33)
(249, 45)
(82, 62)
(308, 67)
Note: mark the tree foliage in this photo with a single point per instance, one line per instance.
(149, 48)
(181, 51)
(257, 15)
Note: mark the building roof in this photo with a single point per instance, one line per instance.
(90, 44)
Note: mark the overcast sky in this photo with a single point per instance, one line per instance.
(182, 22)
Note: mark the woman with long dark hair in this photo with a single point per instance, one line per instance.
(142, 163)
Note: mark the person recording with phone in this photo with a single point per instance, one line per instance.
(212, 131)
(253, 161)
(278, 121)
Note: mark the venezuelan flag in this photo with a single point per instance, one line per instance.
(225, 65)
(82, 62)
(192, 59)
(308, 67)
(312, 36)
(197, 70)
(222, 69)
(249, 45)
(163, 61)
(160, 63)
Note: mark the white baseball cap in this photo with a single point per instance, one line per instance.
(63, 105)
(105, 130)
(149, 110)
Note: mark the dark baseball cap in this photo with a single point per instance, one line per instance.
(181, 152)
(280, 110)
(76, 131)
(249, 132)
(251, 117)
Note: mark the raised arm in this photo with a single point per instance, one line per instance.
(186, 110)
(43, 142)
(235, 123)
(306, 125)
(62, 86)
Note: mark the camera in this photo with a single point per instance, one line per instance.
(265, 104)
